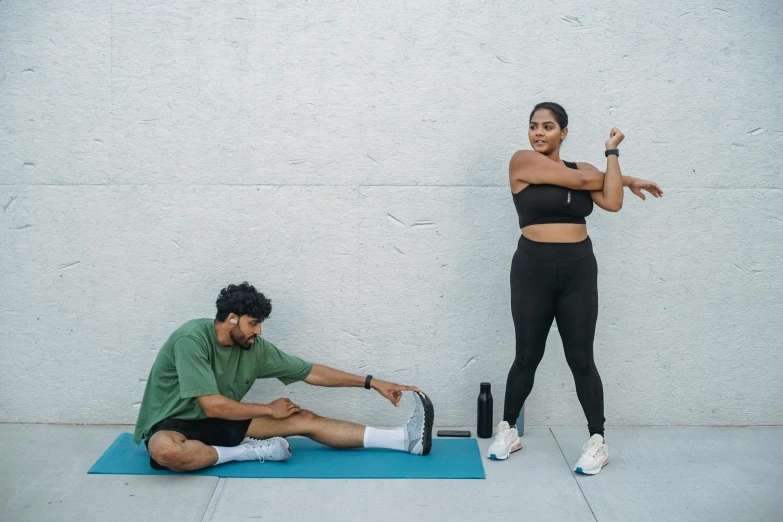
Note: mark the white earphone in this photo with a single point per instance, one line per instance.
(234, 321)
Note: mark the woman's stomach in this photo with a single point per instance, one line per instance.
(556, 232)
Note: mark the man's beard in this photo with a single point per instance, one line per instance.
(240, 339)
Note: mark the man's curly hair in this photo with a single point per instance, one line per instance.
(242, 299)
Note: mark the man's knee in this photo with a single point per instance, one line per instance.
(306, 422)
(166, 452)
(306, 416)
(168, 455)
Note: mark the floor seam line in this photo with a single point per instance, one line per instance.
(572, 475)
(213, 501)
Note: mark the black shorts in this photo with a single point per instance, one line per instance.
(210, 431)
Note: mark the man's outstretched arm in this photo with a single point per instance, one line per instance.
(322, 375)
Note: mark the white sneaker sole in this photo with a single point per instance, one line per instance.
(514, 447)
(593, 471)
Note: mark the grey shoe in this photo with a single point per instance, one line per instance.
(418, 430)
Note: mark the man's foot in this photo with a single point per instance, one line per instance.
(418, 430)
(595, 456)
(506, 442)
(274, 449)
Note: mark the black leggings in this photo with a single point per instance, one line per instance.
(555, 281)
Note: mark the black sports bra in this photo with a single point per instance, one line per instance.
(537, 204)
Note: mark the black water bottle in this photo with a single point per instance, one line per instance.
(485, 424)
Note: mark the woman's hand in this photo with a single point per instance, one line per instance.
(642, 184)
(615, 138)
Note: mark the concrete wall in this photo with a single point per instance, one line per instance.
(350, 159)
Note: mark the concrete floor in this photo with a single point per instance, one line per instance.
(654, 474)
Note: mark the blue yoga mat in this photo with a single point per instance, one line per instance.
(448, 459)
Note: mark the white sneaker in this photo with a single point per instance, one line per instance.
(506, 442)
(595, 456)
(418, 430)
(274, 449)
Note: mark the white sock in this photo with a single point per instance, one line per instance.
(388, 439)
(228, 454)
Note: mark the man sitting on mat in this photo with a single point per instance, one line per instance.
(191, 416)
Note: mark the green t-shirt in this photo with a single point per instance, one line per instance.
(192, 363)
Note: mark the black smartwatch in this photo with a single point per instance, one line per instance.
(367, 382)
(609, 152)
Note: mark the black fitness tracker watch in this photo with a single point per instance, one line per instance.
(609, 152)
(367, 382)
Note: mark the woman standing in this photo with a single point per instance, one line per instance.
(554, 272)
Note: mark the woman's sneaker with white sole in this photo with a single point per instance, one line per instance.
(506, 442)
(595, 456)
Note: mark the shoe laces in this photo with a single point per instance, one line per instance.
(505, 435)
(262, 449)
(260, 455)
(414, 413)
(592, 448)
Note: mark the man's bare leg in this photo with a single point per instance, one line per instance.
(176, 452)
(415, 437)
(331, 432)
